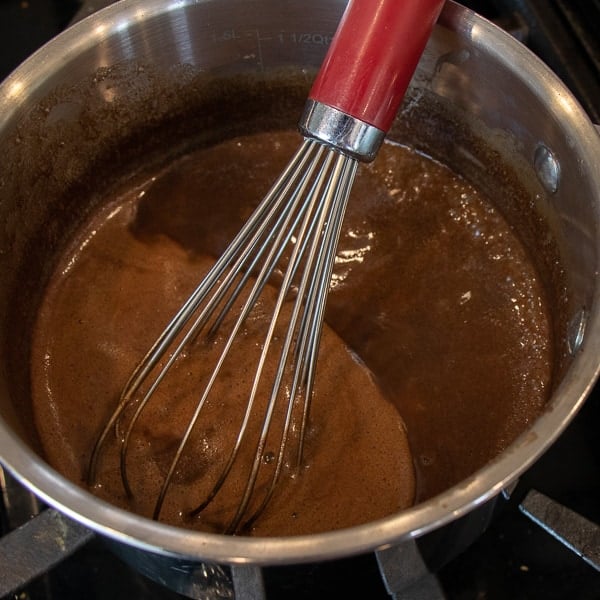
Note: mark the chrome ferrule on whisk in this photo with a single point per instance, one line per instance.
(346, 133)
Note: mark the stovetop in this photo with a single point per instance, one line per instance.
(514, 558)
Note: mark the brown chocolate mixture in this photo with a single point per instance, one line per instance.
(431, 290)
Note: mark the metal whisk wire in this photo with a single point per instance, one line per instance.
(304, 210)
(187, 310)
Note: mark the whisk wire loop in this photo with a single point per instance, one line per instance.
(292, 211)
(291, 235)
(306, 206)
(313, 221)
(248, 236)
(320, 285)
(310, 300)
(254, 226)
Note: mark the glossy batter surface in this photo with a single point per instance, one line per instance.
(431, 290)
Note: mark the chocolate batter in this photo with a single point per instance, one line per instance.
(431, 290)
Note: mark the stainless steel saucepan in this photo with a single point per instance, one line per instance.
(141, 67)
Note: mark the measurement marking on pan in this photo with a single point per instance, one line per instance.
(283, 37)
(226, 36)
(314, 38)
(229, 35)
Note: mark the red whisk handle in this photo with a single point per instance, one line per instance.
(373, 56)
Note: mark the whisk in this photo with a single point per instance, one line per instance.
(281, 262)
